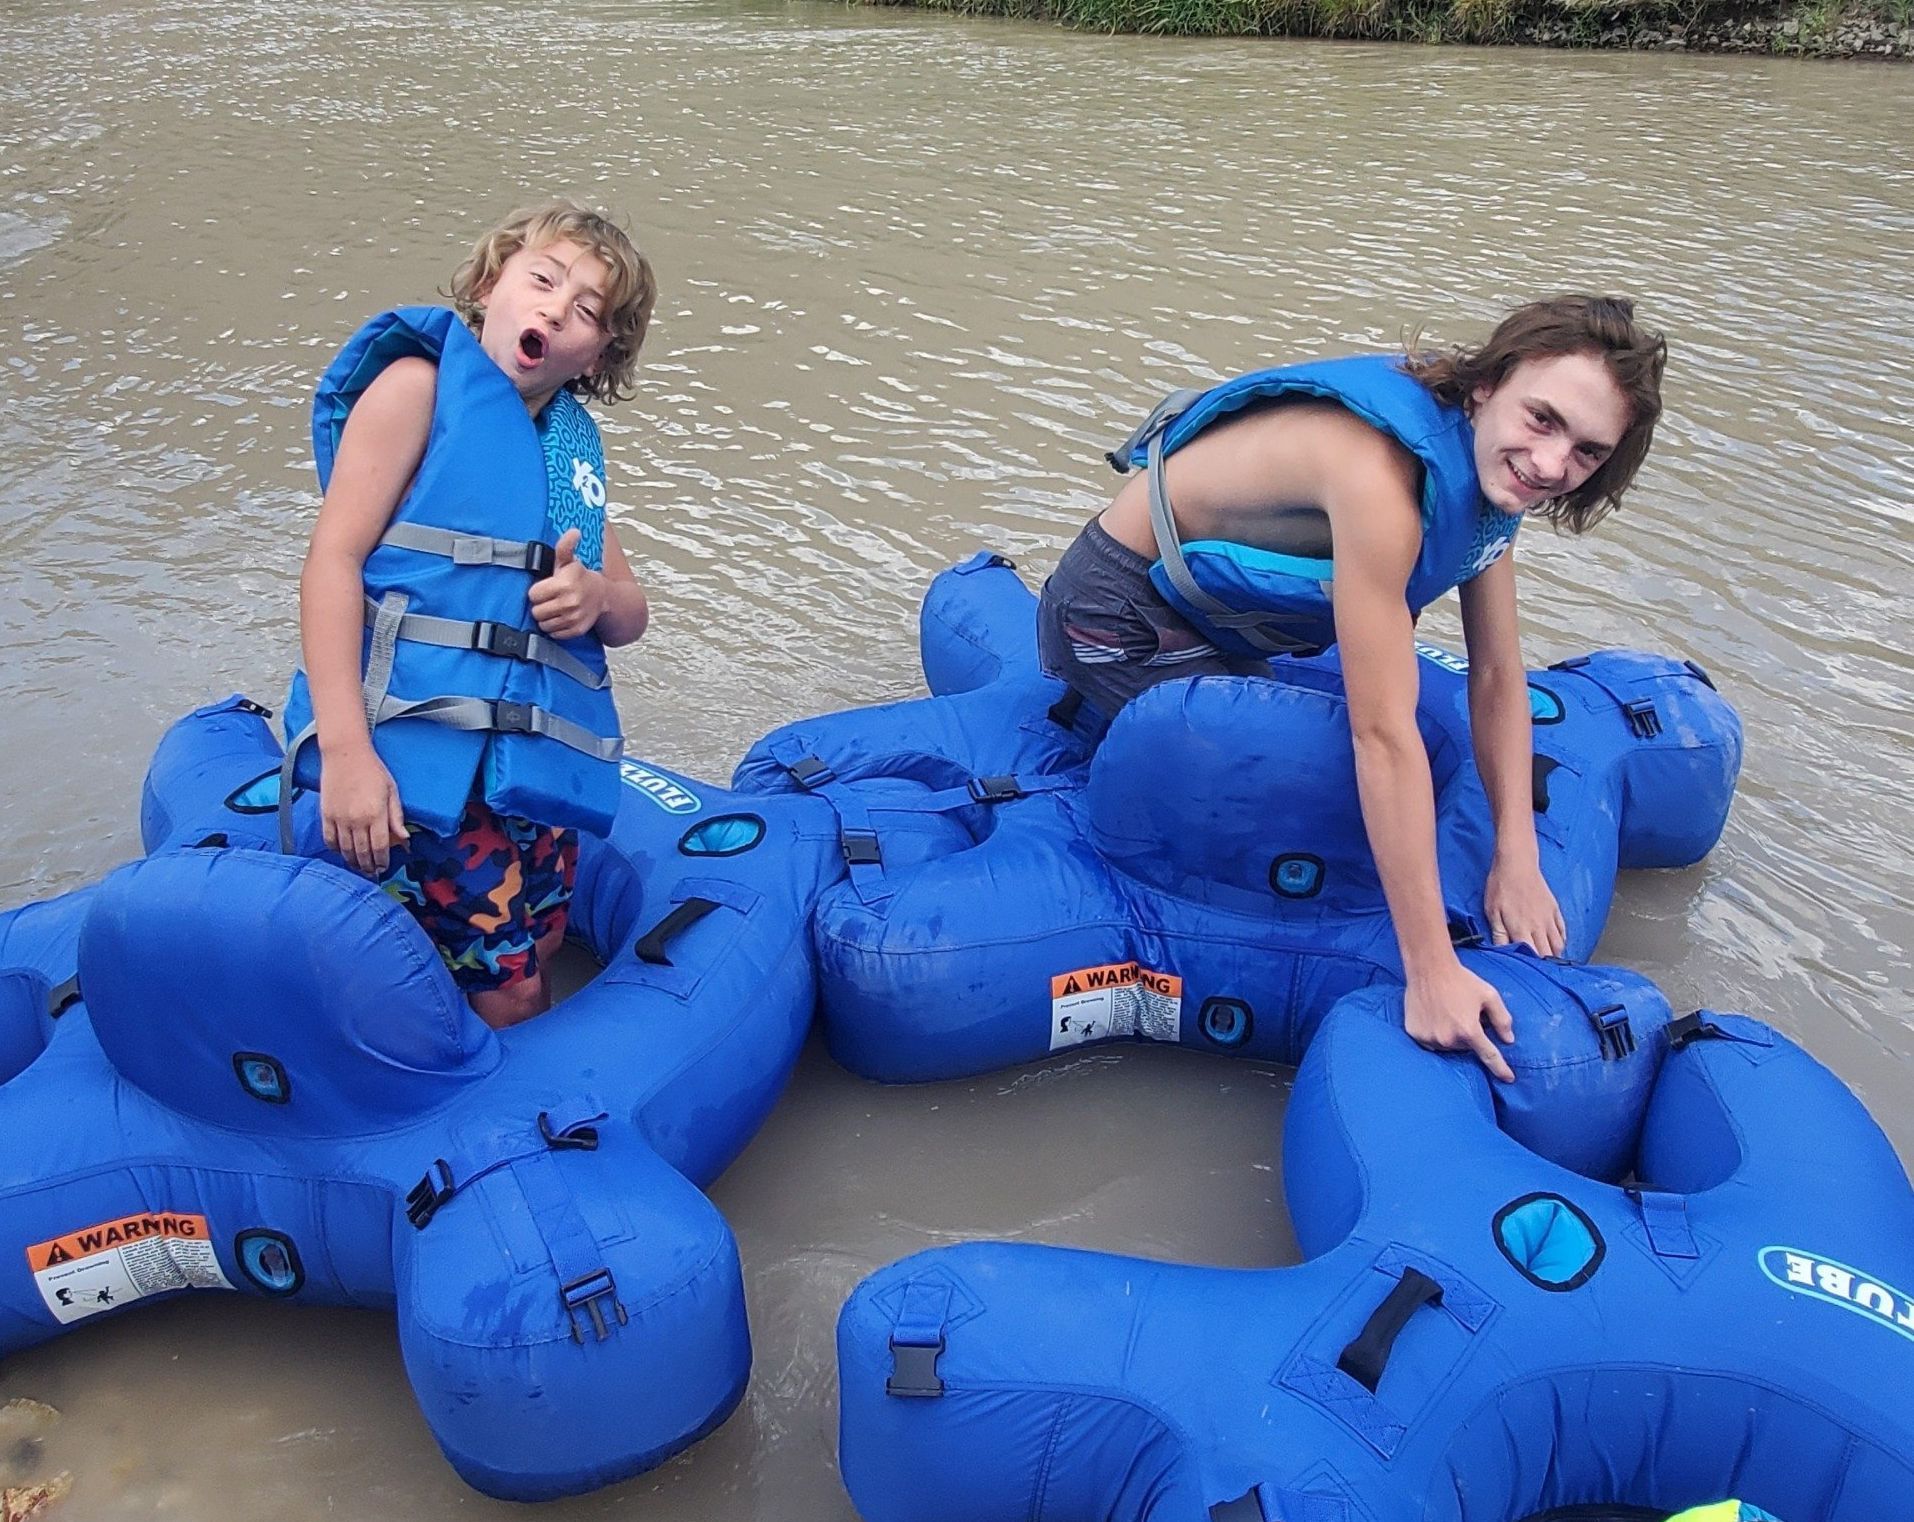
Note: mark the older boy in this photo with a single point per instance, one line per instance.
(1329, 503)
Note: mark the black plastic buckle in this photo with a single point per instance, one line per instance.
(1643, 721)
(582, 1137)
(809, 772)
(1612, 1030)
(861, 848)
(1693, 1026)
(512, 718)
(1245, 1508)
(541, 559)
(914, 1370)
(247, 705)
(1573, 663)
(431, 1191)
(584, 1293)
(501, 639)
(999, 789)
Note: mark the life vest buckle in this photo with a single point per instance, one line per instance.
(540, 558)
(861, 848)
(501, 639)
(513, 718)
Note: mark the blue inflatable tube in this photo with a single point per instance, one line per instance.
(1202, 876)
(223, 1068)
(1480, 1334)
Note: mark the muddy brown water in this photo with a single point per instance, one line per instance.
(917, 273)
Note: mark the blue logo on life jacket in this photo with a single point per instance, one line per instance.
(661, 790)
(1819, 1278)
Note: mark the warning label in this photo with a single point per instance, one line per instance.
(86, 1272)
(1114, 1000)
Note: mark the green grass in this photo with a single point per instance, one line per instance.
(1584, 23)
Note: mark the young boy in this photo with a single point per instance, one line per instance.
(1329, 503)
(462, 584)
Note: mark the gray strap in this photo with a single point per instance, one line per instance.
(505, 718)
(298, 743)
(471, 549)
(384, 618)
(495, 639)
(1256, 628)
(1161, 416)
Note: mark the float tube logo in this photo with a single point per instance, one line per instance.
(661, 790)
(1819, 1278)
(1443, 658)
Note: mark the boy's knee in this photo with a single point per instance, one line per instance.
(513, 1004)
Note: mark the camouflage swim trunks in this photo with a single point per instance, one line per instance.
(487, 895)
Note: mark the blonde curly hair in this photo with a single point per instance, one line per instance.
(631, 294)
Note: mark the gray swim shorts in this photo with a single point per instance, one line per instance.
(1103, 627)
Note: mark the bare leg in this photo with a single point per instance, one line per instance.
(512, 1005)
(527, 998)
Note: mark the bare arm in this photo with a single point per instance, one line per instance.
(1368, 488)
(1518, 902)
(379, 452)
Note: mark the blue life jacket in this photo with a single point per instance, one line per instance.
(467, 698)
(1258, 602)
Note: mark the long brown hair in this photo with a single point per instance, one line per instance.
(1603, 326)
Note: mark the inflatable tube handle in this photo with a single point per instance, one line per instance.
(651, 945)
(1365, 1358)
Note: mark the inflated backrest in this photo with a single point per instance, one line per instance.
(274, 993)
(1239, 791)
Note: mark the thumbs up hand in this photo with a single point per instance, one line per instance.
(568, 602)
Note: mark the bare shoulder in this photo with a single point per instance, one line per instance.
(404, 386)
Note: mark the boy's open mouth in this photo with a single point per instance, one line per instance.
(531, 345)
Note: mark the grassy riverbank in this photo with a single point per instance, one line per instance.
(1813, 28)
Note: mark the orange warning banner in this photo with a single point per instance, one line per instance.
(1115, 975)
(111, 1234)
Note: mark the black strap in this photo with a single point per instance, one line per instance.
(1063, 712)
(1365, 1358)
(1693, 1026)
(651, 945)
(444, 1179)
(1644, 722)
(61, 997)
(1544, 765)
